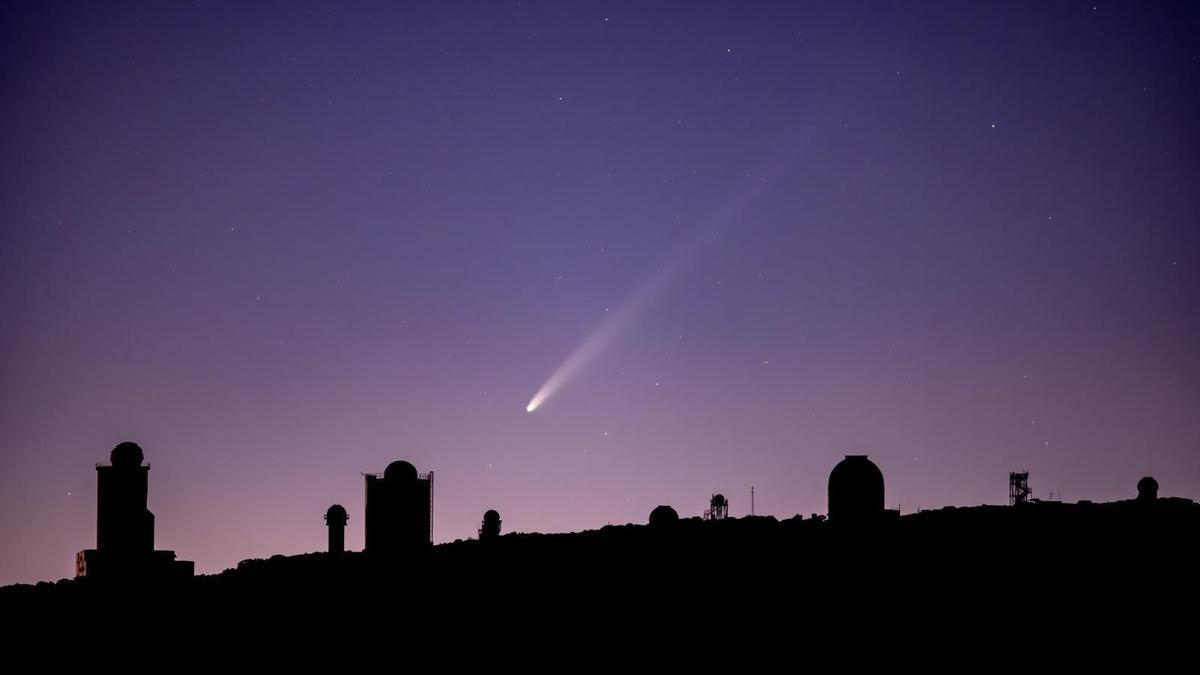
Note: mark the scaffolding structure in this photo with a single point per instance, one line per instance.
(1018, 488)
(718, 508)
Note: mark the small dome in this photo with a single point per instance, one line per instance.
(663, 515)
(400, 470)
(1147, 489)
(336, 515)
(490, 529)
(855, 489)
(718, 499)
(127, 454)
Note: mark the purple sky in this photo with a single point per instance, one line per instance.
(283, 244)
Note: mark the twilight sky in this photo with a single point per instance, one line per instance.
(281, 244)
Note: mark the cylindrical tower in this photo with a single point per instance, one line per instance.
(335, 519)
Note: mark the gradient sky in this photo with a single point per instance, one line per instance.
(281, 244)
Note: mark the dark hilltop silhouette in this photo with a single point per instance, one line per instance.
(984, 563)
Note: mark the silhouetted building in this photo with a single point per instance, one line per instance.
(490, 529)
(399, 510)
(855, 490)
(1018, 488)
(335, 519)
(1147, 489)
(718, 508)
(663, 515)
(124, 526)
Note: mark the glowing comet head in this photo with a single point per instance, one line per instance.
(537, 400)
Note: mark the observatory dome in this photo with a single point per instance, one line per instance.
(127, 454)
(1147, 489)
(336, 515)
(855, 490)
(491, 516)
(400, 470)
(663, 515)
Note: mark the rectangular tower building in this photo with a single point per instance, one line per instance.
(399, 513)
(124, 526)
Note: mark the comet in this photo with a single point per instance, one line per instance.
(616, 322)
(650, 290)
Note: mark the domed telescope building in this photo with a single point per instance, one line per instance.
(490, 529)
(399, 516)
(663, 516)
(124, 526)
(855, 491)
(1147, 490)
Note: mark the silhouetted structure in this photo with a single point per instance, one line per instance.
(1018, 488)
(663, 515)
(1147, 489)
(718, 508)
(855, 490)
(954, 563)
(399, 510)
(124, 526)
(490, 529)
(335, 519)
(943, 561)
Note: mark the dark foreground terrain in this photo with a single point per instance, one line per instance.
(1123, 568)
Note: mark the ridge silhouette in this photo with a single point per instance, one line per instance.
(985, 562)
